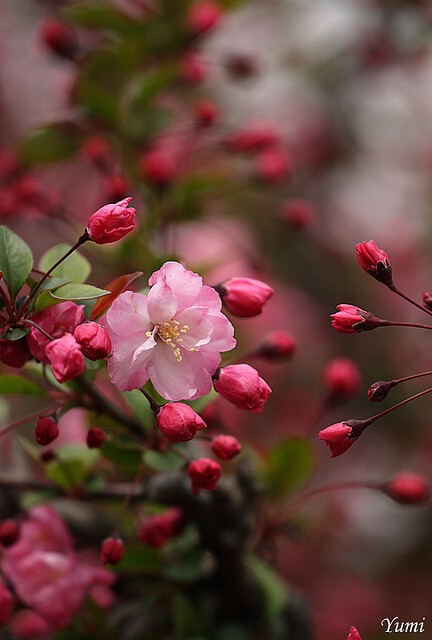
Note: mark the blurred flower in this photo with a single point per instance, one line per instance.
(174, 338)
(29, 624)
(225, 447)
(56, 321)
(157, 530)
(204, 473)
(46, 430)
(65, 358)
(7, 603)
(14, 353)
(112, 551)
(95, 438)
(407, 488)
(279, 345)
(9, 532)
(203, 15)
(341, 378)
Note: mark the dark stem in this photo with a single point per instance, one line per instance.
(39, 328)
(393, 288)
(390, 323)
(412, 377)
(29, 418)
(155, 406)
(304, 497)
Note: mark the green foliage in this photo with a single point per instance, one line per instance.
(126, 455)
(78, 292)
(52, 143)
(71, 467)
(186, 619)
(16, 260)
(14, 384)
(98, 15)
(288, 466)
(75, 267)
(274, 590)
(15, 333)
(168, 461)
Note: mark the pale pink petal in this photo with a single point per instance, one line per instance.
(185, 283)
(162, 303)
(176, 380)
(209, 298)
(199, 329)
(128, 314)
(222, 338)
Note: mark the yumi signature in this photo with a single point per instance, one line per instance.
(397, 626)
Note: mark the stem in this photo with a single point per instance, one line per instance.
(36, 326)
(393, 288)
(29, 418)
(390, 323)
(131, 492)
(304, 497)
(155, 406)
(412, 377)
(32, 295)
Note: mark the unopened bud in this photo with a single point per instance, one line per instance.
(9, 532)
(95, 438)
(427, 299)
(379, 390)
(407, 488)
(179, 422)
(226, 447)
(46, 430)
(279, 345)
(204, 473)
(112, 551)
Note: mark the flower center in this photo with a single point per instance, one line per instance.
(171, 333)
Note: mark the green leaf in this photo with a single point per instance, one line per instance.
(75, 267)
(275, 591)
(288, 466)
(140, 558)
(98, 15)
(122, 454)
(78, 292)
(168, 461)
(15, 334)
(16, 260)
(44, 301)
(72, 466)
(51, 144)
(14, 384)
(186, 618)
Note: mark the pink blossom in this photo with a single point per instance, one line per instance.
(204, 473)
(29, 624)
(351, 319)
(341, 378)
(56, 321)
(354, 634)
(157, 530)
(112, 551)
(242, 385)
(111, 222)
(174, 335)
(45, 571)
(245, 297)
(336, 438)
(203, 16)
(65, 358)
(375, 261)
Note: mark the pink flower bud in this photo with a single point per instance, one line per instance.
(298, 214)
(226, 447)
(242, 385)
(59, 37)
(206, 112)
(203, 16)
(111, 222)
(157, 530)
(407, 488)
(379, 390)
(204, 473)
(244, 297)
(115, 187)
(7, 604)
(46, 430)
(273, 165)
(354, 634)
(9, 532)
(159, 166)
(342, 379)
(28, 624)
(375, 261)
(56, 321)
(95, 438)
(179, 422)
(336, 438)
(351, 319)
(94, 340)
(255, 136)
(65, 358)
(97, 150)
(112, 551)
(278, 345)
(14, 353)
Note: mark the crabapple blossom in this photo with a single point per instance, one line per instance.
(354, 634)
(179, 422)
(407, 488)
(174, 335)
(375, 261)
(203, 16)
(94, 340)
(244, 297)
(112, 551)
(242, 385)
(111, 222)
(278, 345)
(336, 438)
(204, 473)
(46, 430)
(65, 358)
(158, 529)
(27, 623)
(341, 378)
(56, 321)
(351, 319)
(95, 438)
(226, 447)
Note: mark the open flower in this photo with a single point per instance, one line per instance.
(172, 336)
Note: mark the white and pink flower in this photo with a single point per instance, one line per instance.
(172, 336)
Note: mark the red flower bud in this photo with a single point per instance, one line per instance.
(65, 358)
(244, 297)
(407, 488)
(273, 165)
(94, 340)
(157, 530)
(10, 164)
(226, 447)
(95, 438)
(242, 385)
(9, 532)
(112, 551)
(179, 422)
(28, 624)
(336, 438)
(159, 166)
(204, 473)
(111, 222)
(7, 604)
(341, 379)
(354, 634)
(97, 150)
(59, 37)
(46, 430)
(116, 187)
(194, 68)
(379, 390)
(14, 353)
(256, 136)
(351, 319)
(203, 16)
(278, 345)
(206, 113)
(427, 299)
(375, 261)
(298, 213)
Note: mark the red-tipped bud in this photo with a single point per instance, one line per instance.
(9, 532)
(59, 37)
(379, 390)
(407, 488)
(298, 214)
(111, 222)
(341, 379)
(179, 422)
(7, 604)
(375, 261)
(427, 299)
(14, 353)
(194, 68)
(278, 345)
(203, 16)
(65, 358)
(204, 473)
(273, 165)
(112, 551)
(206, 113)
(157, 530)
(244, 297)
(242, 385)
(46, 430)
(351, 319)
(336, 438)
(226, 447)
(94, 340)
(354, 634)
(95, 438)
